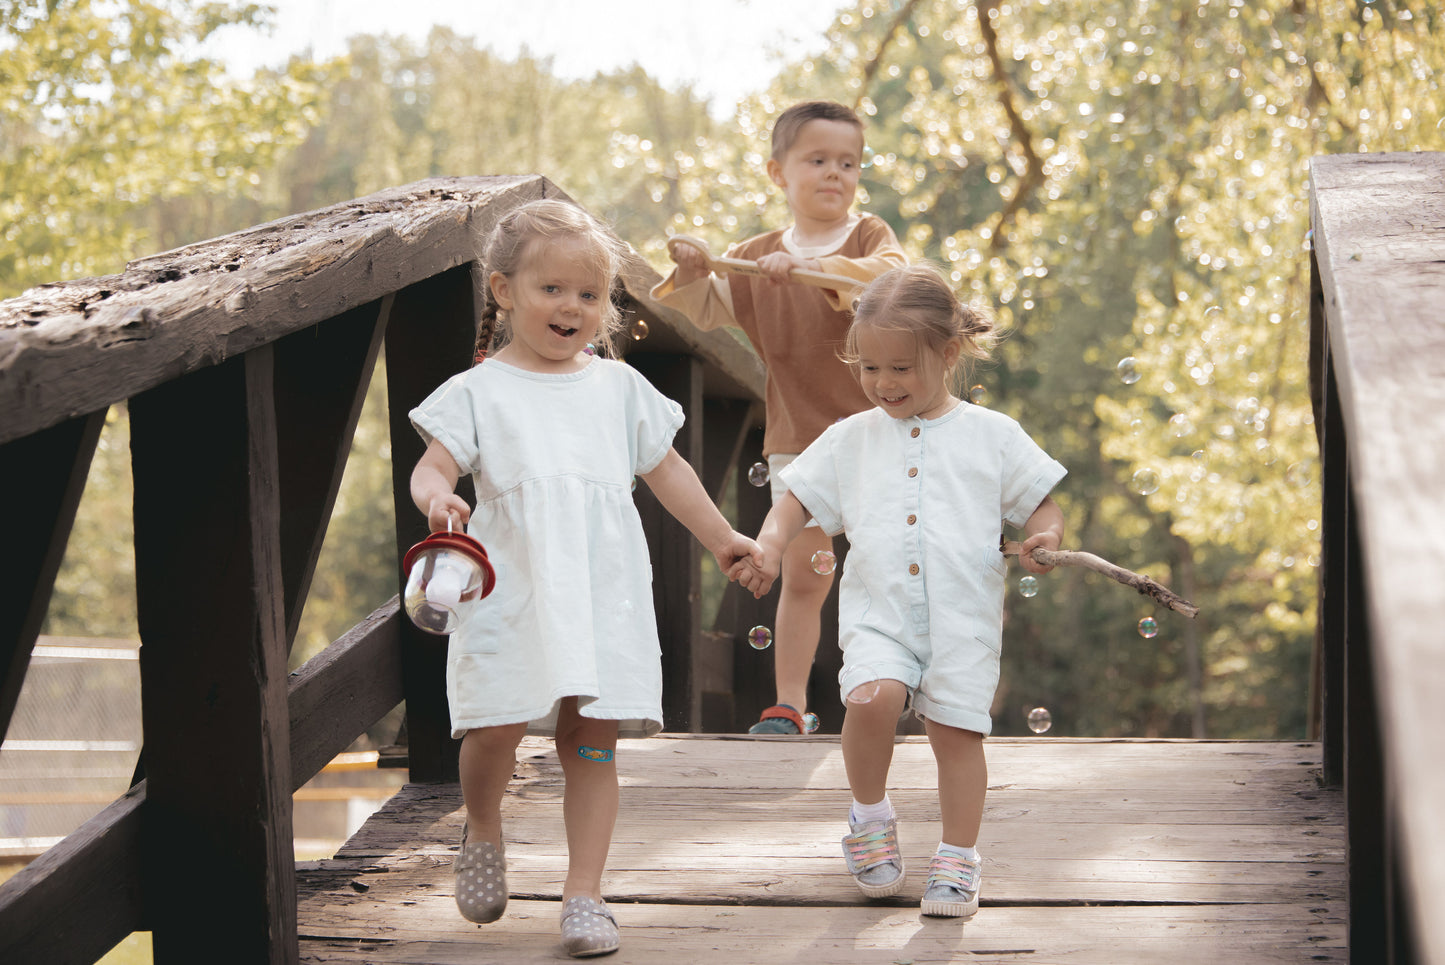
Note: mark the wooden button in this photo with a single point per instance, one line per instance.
(913, 569)
(912, 519)
(915, 432)
(912, 472)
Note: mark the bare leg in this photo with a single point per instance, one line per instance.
(962, 781)
(488, 758)
(800, 605)
(868, 731)
(589, 803)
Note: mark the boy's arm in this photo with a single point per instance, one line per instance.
(1044, 527)
(433, 487)
(881, 253)
(693, 290)
(679, 490)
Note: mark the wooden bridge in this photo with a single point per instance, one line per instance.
(244, 361)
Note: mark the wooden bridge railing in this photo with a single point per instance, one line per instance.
(244, 361)
(1378, 373)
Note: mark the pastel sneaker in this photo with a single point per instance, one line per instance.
(874, 860)
(953, 884)
(481, 880)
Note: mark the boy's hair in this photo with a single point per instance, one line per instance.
(545, 221)
(918, 299)
(791, 121)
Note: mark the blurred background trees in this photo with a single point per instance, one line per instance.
(1125, 183)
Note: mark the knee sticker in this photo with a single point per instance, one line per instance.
(600, 754)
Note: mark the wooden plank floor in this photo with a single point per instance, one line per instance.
(727, 851)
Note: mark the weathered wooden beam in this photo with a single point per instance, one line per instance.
(345, 689)
(82, 896)
(213, 663)
(322, 374)
(42, 478)
(429, 338)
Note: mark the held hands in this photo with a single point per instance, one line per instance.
(737, 550)
(757, 574)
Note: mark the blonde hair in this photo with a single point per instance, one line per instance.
(918, 299)
(545, 221)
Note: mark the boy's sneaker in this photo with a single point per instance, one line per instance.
(874, 861)
(953, 883)
(779, 719)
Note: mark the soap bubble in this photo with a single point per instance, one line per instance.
(864, 692)
(590, 349)
(1148, 628)
(1029, 586)
(978, 395)
(639, 330)
(760, 638)
(1040, 720)
(1145, 482)
(1128, 370)
(811, 722)
(1180, 425)
(758, 474)
(824, 562)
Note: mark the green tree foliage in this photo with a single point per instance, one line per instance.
(115, 142)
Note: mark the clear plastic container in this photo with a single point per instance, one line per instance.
(448, 574)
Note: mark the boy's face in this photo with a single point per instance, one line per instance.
(819, 173)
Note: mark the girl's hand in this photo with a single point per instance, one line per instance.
(1048, 539)
(734, 548)
(448, 506)
(755, 579)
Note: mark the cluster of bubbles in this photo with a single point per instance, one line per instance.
(758, 474)
(1040, 720)
(824, 562)
(760, 638)
(1029, 587)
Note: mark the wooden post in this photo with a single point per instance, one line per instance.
(676, 555)
(429, 338)
(213, 664)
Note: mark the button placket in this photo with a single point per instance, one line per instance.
(914, 559)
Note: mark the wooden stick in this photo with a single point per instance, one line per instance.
(741, 266)
(1098, 564)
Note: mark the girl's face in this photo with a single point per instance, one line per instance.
(902, 376)
(554, 304)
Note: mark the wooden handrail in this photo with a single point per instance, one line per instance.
(1378, 330)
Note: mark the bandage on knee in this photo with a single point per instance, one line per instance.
(600, 754)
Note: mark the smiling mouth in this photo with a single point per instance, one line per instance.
(563, 330)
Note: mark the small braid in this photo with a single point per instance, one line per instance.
(486, 326)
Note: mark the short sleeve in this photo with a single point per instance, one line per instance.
(1029, 474)
(655, 420)
(813, 478)
(449, 416)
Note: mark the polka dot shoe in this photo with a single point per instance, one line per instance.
(481, 873)
(588, 928)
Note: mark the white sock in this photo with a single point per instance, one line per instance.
(863, 813)
(969, 854)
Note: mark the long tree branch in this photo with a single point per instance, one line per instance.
(870, 70)
(1147, 587)
(1033, 175)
